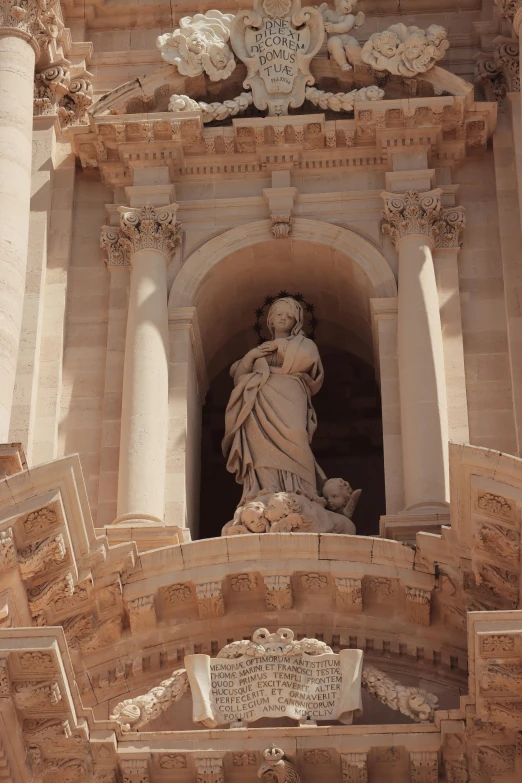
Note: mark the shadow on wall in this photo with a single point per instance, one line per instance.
(347, 443)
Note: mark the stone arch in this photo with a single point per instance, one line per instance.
(202, 260)
(211, 306)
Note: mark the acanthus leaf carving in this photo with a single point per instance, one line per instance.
(177, 593)
(278, 592)
(354, 767)
(132, 714)
(33, 696)
(495, 759)
(68, 770)
(142, 613)
(209, 597)
(8, 556)
(456, 770)
(418, 605)
(38, 20)
(39, 557)
(42, 595)
(411, 213)
(424, 767)
(149, 227)
(5, 682)
(40, 521)
(502, 676)
(348, 594)
(37, 730)
(135, 771)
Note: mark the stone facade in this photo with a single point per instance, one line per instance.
(340, 184)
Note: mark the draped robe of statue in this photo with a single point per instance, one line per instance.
(270, 421)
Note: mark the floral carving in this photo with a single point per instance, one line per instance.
(32, 696)
(41, 596)
(380, 584)
(281, 225)
(149, 227)
(36, 660)
(424, 767)
(38, 730)
(411, 213)
(278, 592)
(178, 593)
(456, 770)
(500, 542)
(209, 769)
(5, 684)
(450, 227)
(504, 583)
(348, 594)
(135, 771)
(313, 582)
(67, 770)
(200, 44)
(39, 557)
(209, 596)
(142, 613)
(342, 101)
(8, 556)
(244, 759)
(173, 761)
(39, 20)
(405, 51)
(354, 767)
(495, 504)
(505, 712)
(317, 756)
(40, 521)
(242, 583)
(510, 10)
(415, 703)
(211, 111)
(495, 759)
(418, 605)
(132, 714)
(501, 676)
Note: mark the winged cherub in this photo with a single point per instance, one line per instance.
(200, 44)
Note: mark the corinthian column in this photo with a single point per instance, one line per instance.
(414, 221)
(21, 25)
(146, 238)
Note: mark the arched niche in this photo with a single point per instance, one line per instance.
(211, 315)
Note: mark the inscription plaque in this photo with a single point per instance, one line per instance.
(275, 677)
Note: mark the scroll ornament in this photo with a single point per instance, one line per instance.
(415, 703)
(405, 51)
(200, 44)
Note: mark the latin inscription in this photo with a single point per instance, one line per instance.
(275, 45)
(272, 687)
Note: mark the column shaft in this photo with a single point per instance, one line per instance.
(143, 444)
(17, 61)
(424, 415)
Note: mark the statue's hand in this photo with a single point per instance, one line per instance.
(261, 351)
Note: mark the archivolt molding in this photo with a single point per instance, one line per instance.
(184, 290)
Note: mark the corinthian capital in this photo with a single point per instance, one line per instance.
(38, 21)
(410, 213)
(512, 11)
(149, 228)
(451, 225)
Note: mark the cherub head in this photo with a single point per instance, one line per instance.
(337, 493)
(414, 45)
(345, 6)
(280, 505)
(252, 517)
(435, 35)
(387, 43)
(219, 55)
(196, 43)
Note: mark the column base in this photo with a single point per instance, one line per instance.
(146, 535)
(427, 517)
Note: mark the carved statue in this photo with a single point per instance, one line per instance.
(340, 497)
(405, 51)
(338, 25)
(200, 44)
(276, 769)
(269, 424)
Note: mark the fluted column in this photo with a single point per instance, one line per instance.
(145, 239)
(414, 221)
(21, 27)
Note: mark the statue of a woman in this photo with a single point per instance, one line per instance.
(270, 419)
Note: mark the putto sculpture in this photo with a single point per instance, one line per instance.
(200, 44)
(269, 425)
(338, 25)
(405, 51)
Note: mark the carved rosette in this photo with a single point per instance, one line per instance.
(148, 227)
(38, 21)
(354, 767)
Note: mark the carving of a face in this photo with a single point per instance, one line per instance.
(219, 56)
(435, 35)
(345, 6)
(283, 319)
(196, 43)
(280, 505)
(387, 44)
(252, 517)
(414, 46)
(336, 494)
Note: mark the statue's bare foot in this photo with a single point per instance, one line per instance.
(346, 67)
